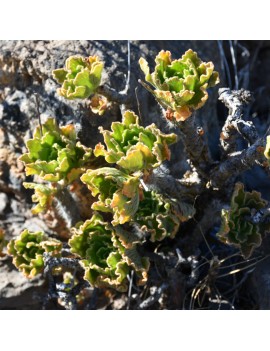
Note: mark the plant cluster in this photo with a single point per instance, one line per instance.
(27, 251)
(55, 156)
(238, 227)
(180, 85)
(80, 77)
(127, 212)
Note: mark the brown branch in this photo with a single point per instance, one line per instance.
(193, 139)
(67, 207)
(240, 161)
(237, 163)
(163, 182)
(151, 91)
(113, 95)
(196, 145)
(234, 126)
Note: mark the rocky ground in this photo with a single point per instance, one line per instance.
(25, 69)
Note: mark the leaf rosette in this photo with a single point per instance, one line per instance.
(27, 251)
(132, 147)
(104, 258)
(180, 85)
(54, 154)
(80, 78)
(118, 192)
(156, 216)
(237, 228)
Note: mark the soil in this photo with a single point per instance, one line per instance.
(184, 274)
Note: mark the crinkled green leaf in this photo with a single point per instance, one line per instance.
(156, 216)
(127, 237)
(138, 157)
(146, 70)
(180, 85)
(135, 148)
(237, 228)
(123, 207)
(103, 256)
(60, 75)
(118, 192)
(44, 195)
(27, 251)
(139, 263)
(54, 154)
(80, 77)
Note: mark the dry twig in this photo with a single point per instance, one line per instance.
(235, 125)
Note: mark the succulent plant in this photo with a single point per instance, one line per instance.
(132, 147)
(27, 251)
(237, 227)
(118, 192)
(180, 85)
(156, 216)
(54, 154)
(44, 195)
(105, 260)
(80, 77)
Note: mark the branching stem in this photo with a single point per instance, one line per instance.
(67, 207)
(234, 126)
(196, 146)
(237, 163)
(113, 95)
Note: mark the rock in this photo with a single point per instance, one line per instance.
(259, 285)
(3, 202)
(18, 292)
(258, 282)
(3, 138)
(11, 171)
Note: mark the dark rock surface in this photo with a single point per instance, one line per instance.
(18, 292)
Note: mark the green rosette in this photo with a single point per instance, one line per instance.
(180, 85)
(27, 251)
(237, 229)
